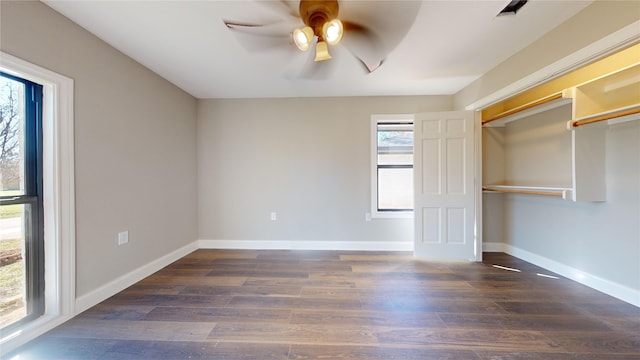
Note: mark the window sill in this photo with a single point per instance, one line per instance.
(392, 215)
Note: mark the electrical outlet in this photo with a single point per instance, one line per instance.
(123, 237)
(367, 217)
(274, 216)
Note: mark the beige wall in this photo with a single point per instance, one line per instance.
(601, 239)
(135, 153)
(306, 159)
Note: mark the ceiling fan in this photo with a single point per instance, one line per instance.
(368, 29)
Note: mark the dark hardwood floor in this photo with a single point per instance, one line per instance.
(217, 304)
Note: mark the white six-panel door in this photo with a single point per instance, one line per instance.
(444, 189)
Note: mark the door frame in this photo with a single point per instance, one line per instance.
(477, 228)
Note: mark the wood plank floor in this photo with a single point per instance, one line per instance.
(227, 304)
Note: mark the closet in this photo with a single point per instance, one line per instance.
(551, 140)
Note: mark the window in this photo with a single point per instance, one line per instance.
(392, 165)
(47, 306)
(21, 240)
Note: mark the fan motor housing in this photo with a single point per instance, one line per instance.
(315, 13)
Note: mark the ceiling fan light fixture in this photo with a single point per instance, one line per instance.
(302, 37)
(322, 51)
(332, 31)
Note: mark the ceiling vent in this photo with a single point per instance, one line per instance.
(512, 8)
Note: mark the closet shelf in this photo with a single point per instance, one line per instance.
(547, 103)
(529, 190)
(607, 115)
(605, 92)
(609, 96)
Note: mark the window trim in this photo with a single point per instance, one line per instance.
(375, 119)
(58, 200)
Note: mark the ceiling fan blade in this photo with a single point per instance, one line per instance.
(371, 67)
(317, 70)
(236, 25)
(365, 45)
(308, 68)
(287, 8)
(260, 37)
(387, 23)
(275, 29)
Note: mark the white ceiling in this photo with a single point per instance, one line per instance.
(450, 44)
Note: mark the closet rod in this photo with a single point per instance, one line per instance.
(528, 192)
(524, 107)
(605, 117)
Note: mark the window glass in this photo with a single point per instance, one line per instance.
(21, 238)
(395, 189)
(394, 166)
(12, 159)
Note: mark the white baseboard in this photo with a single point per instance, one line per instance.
(306, 245)
(493, 247)
(624, 293)
(84, 302)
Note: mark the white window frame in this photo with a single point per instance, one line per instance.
(58, 200)
(375, 119)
